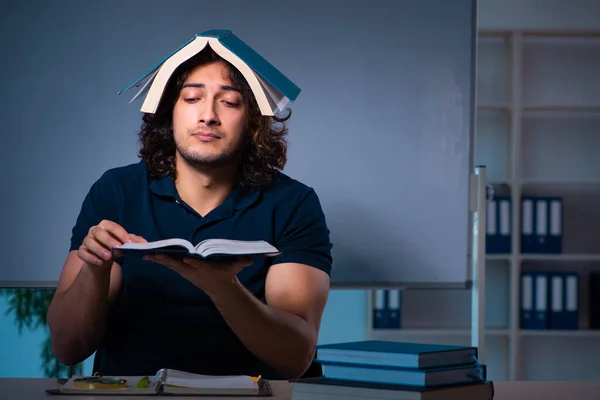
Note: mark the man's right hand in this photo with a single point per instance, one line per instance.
(96, 248)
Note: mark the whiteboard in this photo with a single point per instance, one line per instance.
(382, 130)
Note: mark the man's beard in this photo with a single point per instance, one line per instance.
(228, 156)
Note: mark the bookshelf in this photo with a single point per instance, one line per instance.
(538, 134)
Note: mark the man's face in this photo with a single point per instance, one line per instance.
(209, 118)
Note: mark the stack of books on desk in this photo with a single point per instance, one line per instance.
(375, 369)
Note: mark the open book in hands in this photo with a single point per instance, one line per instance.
(206, 249)
(168, 382)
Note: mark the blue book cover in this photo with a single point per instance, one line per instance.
(397, 354)
(246, 53)
(344, 388)
(403, 376)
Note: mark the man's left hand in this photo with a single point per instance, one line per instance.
(208, 275)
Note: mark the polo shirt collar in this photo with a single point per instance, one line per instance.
(163, 186)
(239, 198)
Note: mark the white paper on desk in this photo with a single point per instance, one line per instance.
(183, 379)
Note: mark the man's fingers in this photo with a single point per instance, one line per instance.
(115, 230)
(88, 257)
(97, 248)
(137, 239)
(105, 238)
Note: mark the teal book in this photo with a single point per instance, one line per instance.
(397, 354)
(324, 388)
(430, 377)
(272, 89)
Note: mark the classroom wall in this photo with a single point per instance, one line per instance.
(345, 315)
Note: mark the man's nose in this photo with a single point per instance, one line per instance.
(207, 114)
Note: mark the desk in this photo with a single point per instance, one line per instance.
(33, 389)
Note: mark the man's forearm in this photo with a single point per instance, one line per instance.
(77, 317)
(283, 340)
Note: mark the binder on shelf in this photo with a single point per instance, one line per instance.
(534, 300)
(548, 225)
(571, 315)
(541, 225)
(380, 318)
(526, 314)
(555, 229)
(540, 294)
(394, 308)
(557, 302)
(527, 223)
(498, 226)
(594, 293)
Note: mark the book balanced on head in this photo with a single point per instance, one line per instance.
(206, 249)
(270, 87)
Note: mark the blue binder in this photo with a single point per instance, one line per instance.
(534, 300)
(594, 299)
(526, 303)
(499, 226)
(548, 225)
(540, 295)
(380, 317)
(564, 300)
(527, 224)
(394, 308)
(554, 242)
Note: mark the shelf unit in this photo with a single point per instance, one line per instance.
(538, 133)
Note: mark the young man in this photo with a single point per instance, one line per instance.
(210, 168)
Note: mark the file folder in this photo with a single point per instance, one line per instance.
(534, 300)
(564, 300)
(526, 316)
(540, 294)
(498, 226)
(394, 307)
(554, 240)
(570, 318)
(527, 223)
(541, 226)
(380, 318)
(594, 293)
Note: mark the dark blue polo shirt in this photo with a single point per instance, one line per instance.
(161, 320)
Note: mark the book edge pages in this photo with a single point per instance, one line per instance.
(158, 244)
(153, 69)
(145, 87)
(194, 47)
(261, 95)
(163, 377)
(156, 90)
(201, 250)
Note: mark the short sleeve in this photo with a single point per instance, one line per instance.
(305, 237)
(98, 204)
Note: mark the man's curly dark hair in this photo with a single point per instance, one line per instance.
(265, 149)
